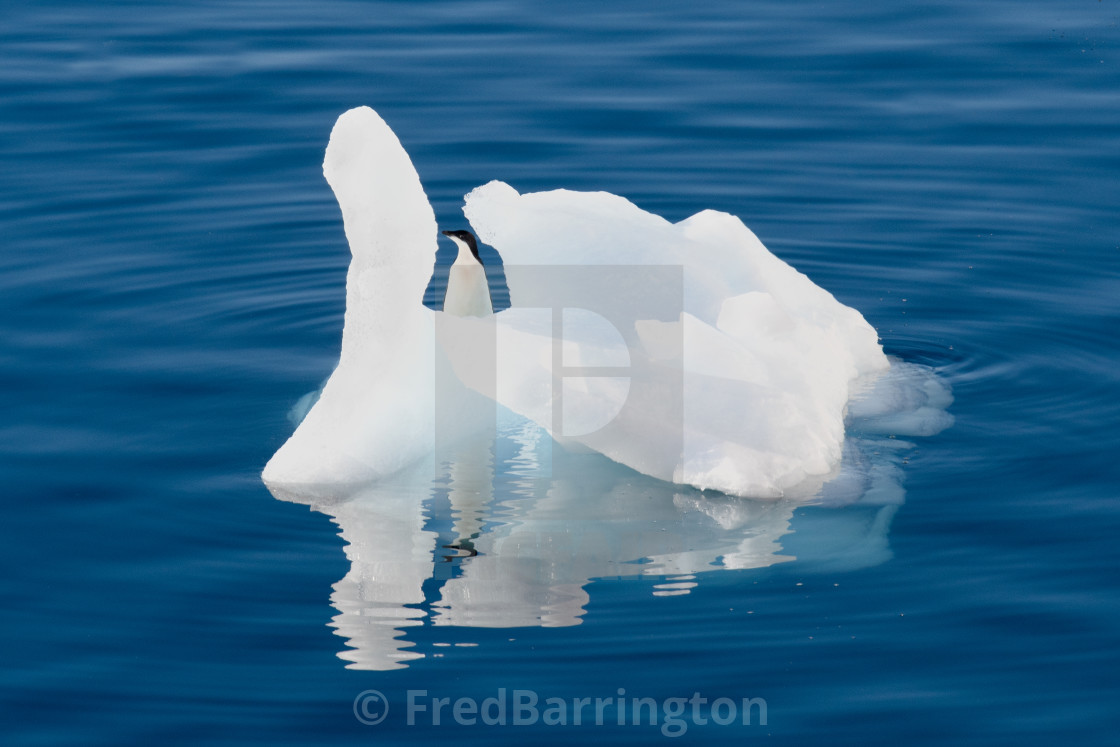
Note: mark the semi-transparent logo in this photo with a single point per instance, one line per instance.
(592, 353)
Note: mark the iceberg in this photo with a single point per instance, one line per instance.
(685, 351)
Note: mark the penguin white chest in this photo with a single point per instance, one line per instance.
(468, 293)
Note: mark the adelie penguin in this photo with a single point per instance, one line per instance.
(468, 293)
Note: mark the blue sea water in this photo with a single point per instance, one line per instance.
(172, 283)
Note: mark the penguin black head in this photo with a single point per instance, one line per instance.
(467, 238)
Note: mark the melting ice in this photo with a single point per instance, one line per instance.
(685, 351)
(663, 361)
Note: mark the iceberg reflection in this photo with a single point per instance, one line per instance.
(510, 528)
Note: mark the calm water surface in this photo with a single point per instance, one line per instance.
(172, 283)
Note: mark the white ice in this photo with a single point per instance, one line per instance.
(374, 415)
(685, 351)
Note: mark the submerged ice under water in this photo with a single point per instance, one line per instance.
(647, 374)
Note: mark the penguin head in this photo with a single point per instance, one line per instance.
(465, 237)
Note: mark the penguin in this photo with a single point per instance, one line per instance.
(468, 293)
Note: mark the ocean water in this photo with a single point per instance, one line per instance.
(172, 283)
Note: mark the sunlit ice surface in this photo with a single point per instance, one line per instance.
(655, 403)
